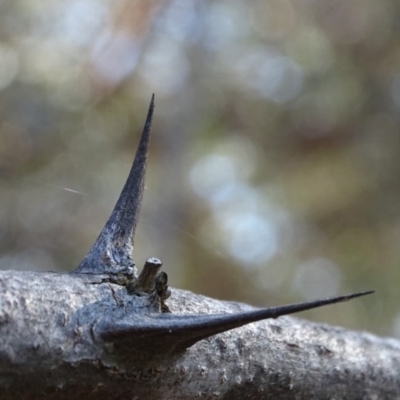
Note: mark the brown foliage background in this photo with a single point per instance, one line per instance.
(274, 173)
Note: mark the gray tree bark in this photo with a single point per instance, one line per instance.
(50, 349)
(104, 332)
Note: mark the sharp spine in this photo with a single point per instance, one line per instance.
(112, 252)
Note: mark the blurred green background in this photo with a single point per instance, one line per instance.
(275, 158)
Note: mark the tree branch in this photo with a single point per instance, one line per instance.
(50, 349)
(104, 332)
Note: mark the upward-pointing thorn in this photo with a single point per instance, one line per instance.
(112, 252)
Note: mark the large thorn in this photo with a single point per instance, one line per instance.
(111, 254)
(169, 332)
